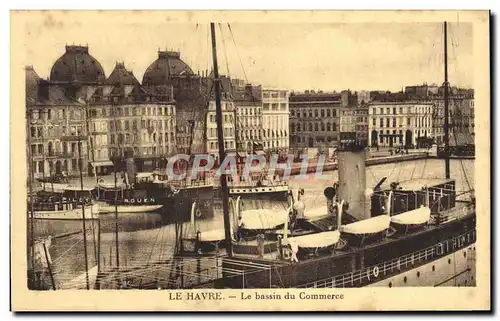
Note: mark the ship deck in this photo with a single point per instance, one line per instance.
(195, 270)
(417, 184)
(273, 257)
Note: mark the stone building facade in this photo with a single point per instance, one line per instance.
(275, 119)
(314, 119)
(392, 124)
(110, 117)
(248, 118)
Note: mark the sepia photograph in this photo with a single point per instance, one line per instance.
(236, 160)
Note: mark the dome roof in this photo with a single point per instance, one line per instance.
(121, 76)
(168, 64)
(77, 65)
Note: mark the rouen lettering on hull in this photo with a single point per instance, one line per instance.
(139, 200)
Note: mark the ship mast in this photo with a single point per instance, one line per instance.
(31, 241)
(446, 111)
(222, 153)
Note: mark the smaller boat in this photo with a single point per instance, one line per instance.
(64, 202)
(60, 209)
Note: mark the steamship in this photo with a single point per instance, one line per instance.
(135, 193)
(152, 192)
(418, 233)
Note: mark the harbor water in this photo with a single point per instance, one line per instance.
(150, 237)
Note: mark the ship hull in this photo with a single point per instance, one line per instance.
(180, 207)
(455, 269)
(369, 265)
(106, 209)
(91, 212)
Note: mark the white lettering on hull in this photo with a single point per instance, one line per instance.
(139, 200)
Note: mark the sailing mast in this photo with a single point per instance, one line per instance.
(222, 153)
(117, 159)
(31, 242)
(80, 164)
(446, 111)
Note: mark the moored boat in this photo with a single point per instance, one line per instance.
(51, 209)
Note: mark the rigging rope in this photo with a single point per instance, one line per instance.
(237, 52)
(225, 51)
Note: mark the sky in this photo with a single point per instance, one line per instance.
(295, 56)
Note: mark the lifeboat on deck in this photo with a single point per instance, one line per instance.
(411, 219)
(316, 240)
(369, 226)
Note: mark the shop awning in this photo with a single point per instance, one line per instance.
(102, 163)
(260, 152)
(242, 154)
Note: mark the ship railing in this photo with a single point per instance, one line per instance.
(208, 269)
(374, 272)
(193, 183)
(254, 184)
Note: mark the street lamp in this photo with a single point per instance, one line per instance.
(74, 131)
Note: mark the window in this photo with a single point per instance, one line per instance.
(374, 122)
(394, 110)
(388, 110)
(298, 127)
(112, 138)
(310, 127)
(322, 127)
(310, 113)
(292, 113)
(334, 127)
(381, 111)
(334, 113)
(408, 121)
(282, 106)
(328, 127)
(394, 122)
(381, 122)
(322, 113)
(292, 128)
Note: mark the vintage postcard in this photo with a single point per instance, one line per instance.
(250, 161)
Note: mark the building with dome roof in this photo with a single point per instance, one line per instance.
(107, 115)
(76, 65)
(165, 69)
(170, 111)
